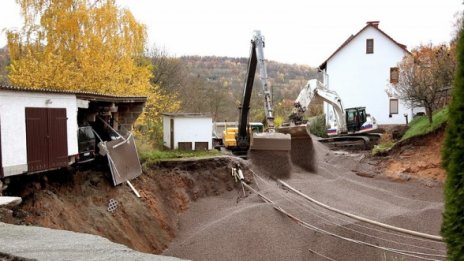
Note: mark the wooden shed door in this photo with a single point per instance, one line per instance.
(46, 138)
(58, 141)
(171, 129)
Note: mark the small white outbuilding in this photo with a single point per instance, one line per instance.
(187, 131)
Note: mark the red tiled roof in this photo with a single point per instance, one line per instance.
(373, 24)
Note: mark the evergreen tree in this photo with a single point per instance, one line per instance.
(453, 162)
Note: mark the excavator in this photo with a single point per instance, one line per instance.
(269, 149)
(353, 124)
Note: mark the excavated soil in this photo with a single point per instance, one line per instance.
(195, 210)
(418, 159)
(79, 201)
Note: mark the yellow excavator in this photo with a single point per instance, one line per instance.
(269, 149)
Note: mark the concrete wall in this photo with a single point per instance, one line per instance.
(361, 79)
(188, 129)
(13, 125)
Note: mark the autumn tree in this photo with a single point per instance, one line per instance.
(90, 45)
(79, 45)
(424, 75)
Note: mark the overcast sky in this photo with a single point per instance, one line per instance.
(296, 31)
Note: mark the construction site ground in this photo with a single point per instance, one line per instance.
(194, 209)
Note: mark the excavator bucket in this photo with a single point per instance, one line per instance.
(302, 149)
(270, 153)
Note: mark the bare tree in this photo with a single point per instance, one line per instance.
(168, 72)
(424, 75)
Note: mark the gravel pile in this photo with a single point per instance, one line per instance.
(234, 227)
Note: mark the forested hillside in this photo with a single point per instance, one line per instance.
(215, 85)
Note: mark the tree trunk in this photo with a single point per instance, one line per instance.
(429, 112)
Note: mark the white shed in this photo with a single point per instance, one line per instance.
(38, 127)
(34, 130)
(187, 131)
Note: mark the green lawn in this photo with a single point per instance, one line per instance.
(420, 126)
(417, 127)
(157, 155)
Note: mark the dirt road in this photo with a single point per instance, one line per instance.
(232, 227)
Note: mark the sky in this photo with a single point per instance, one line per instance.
(296, 31)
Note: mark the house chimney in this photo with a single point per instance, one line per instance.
(373, 23)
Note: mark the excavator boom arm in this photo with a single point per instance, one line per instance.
(313, 91)
(256, 60)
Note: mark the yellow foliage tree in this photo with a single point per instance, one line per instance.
(79, 45)
(89, 45)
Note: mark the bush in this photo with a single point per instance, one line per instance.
(453, 155)
(317, 126)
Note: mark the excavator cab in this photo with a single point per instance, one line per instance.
(355, 118)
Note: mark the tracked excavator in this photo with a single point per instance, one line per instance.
(268, 150)
(353, 124)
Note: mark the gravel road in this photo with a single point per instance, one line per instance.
(37, 243)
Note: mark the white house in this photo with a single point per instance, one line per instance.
(361, 71)
(38, 127)
(187, 131)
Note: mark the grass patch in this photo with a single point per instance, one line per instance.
(417, 127)
(382, 148)
(158, 155)
(420, 125)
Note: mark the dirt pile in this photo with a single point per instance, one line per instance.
(303, 153)
(79, 201)
(417, 159)
(274, 164)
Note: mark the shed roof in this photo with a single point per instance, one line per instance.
(370, 24)
(84, 95)
(186, 115)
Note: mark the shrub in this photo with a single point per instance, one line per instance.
(317, 126)
(453, 155)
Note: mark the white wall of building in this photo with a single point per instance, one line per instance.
(167, 131)
(13, 125)
(361, 79)
(188, 129)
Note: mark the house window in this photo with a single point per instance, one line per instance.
(369, 45)
(393, 106)
(394, 75)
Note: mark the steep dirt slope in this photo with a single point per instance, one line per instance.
(79, 201)
(419, 159)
